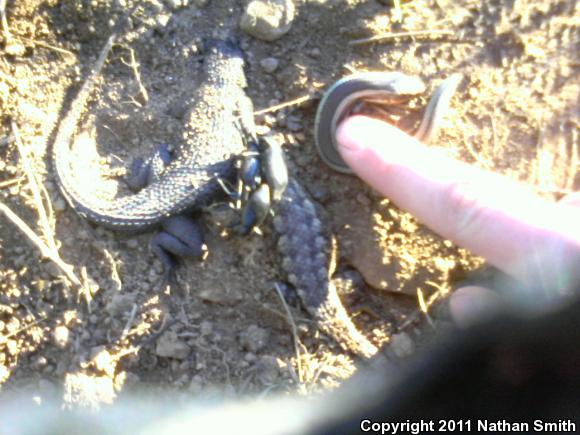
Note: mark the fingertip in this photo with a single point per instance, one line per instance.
(349, 134)
(364, 141)
(470, 304)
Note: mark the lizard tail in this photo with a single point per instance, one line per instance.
(307, 262)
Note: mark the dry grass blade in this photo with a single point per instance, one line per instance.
(43, 216)
(49, 248)
(280, 106)
(4, 338)
(47, 46)
(67, 269)
(294, 332)
(11, 182)
(410, 34)
(5, 29)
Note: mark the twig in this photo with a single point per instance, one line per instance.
(129, 322)
(5, 29)
(4, 338)
(42, 215)
(294, 102)
(135, 67)
(12, 181)
(409, 34)
(290, 320)
(474, 154)
(44, 249)
(46, 45)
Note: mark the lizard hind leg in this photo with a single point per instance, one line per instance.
(143, 172)
(181, 237)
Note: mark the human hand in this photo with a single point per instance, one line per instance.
(534, 240)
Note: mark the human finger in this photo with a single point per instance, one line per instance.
(533, 239)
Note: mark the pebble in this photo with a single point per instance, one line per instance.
(175, 5)
(39, 362)
(59, 204)
(170, 346)
(268, 20)
(315, 53)
(281, 119)
(219, 296)
(319, 192)
(254, 338)
(53, 270)
(14, 48)
(103, 360)
(11, 347)
(120, 303)
(61, 336)
(267, 369)
(269, 64)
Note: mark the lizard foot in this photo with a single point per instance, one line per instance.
(181, 237)
(142, 172)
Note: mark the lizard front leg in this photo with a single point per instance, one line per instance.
(180, 236)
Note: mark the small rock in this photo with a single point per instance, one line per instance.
(175, 5)
(250, 357)
(269, 64)
(170, 346)
(88, 392)
(120, 303)
(39, 362)
(53, 270)
(161, 22)
(14, 48)
(268, 20)
(61, 336)
(103, 360)
(315, 53)
(402, 345)
(219, 296)
(267, 369)
(59, 204)
(281, 119)
(254, 338)
(319, 192)
(11, 347)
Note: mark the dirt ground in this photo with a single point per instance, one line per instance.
(225, 330)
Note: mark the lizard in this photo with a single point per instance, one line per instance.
(173, 185)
